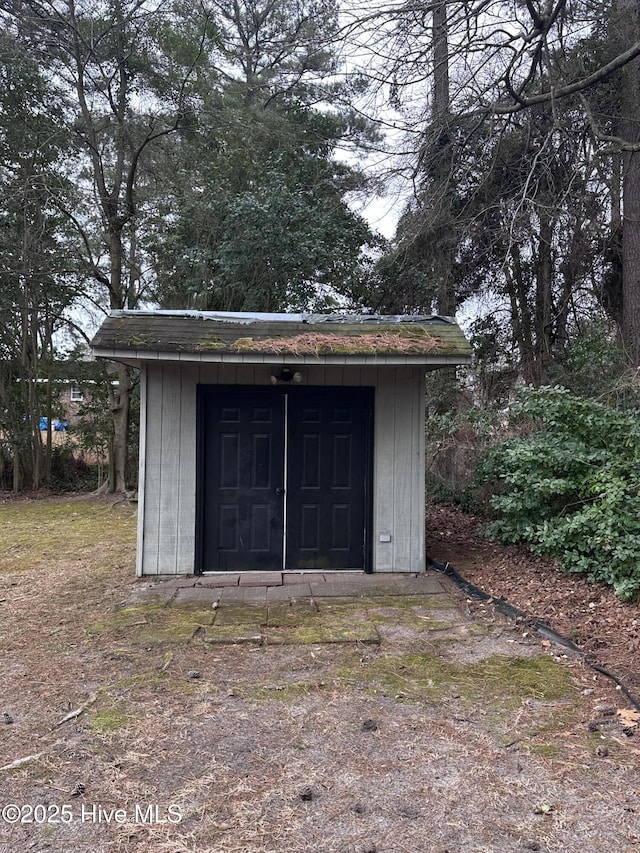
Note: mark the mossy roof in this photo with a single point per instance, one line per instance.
(205, 335)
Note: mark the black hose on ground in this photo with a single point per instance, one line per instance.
(539, 625)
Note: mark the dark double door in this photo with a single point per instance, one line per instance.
(285, 478)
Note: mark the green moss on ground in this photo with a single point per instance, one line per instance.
(240, 614)
(237, 633)
(286, 614)
(499, 679)
(109, 719)
(322, 632)
(155, 625)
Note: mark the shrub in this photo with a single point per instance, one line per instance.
(454, 443)
(570, 486)
(70, 473)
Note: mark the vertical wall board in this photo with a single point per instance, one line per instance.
(334, 375)
(171, 461)
(227, 374)
(141, 470)
(369, 375)
(402, 458)
(418, 504)
(403, 462)
(245, 374)
(186, 519)
(383, 475)
(313, 375)
(153, 469)
(209, 374)
(262, 375)
(398, 471)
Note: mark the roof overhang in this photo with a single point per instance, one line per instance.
(139, 337)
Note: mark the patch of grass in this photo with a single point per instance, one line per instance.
(109, 719)
(34, 534)
(499, 679)
(126, 617)
(550, 751)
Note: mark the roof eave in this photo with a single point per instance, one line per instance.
(135, 358)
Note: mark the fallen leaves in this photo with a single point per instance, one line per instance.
(629, 719)
(587, 613)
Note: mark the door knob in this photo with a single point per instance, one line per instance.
(279, 491)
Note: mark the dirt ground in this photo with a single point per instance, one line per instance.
(605, 628)
(478, 739)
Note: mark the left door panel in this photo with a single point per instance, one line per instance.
(242, 489)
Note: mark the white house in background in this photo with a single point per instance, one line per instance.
(280, 441)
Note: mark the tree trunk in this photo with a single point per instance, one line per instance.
(446, 298)
(631, 254)
(120, 410)
(121, 404)
(522, 336)
(627, 30)
(544, 284)
(444, 385)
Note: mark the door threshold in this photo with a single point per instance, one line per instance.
(323, 572)
(223, 573)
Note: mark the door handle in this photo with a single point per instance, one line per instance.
(279, 491)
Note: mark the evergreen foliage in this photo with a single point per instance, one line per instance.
(569, 485)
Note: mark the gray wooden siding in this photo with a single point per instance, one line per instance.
(166, 536)
(167, 469)
(398, 487)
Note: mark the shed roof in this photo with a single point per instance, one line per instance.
(136, 336)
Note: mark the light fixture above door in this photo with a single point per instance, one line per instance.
(286, 374)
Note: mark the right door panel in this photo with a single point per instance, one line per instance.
(328, 477)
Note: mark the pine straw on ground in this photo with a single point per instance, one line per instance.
(267, 750)
(604, 627)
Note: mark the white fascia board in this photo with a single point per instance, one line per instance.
(136, 357)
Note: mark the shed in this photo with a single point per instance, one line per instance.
(280, 441)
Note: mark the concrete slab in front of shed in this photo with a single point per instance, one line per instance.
(347, 589)
(287, 614)
(232, 634)
(370, 579)
(219, 580)
(196, 595)
(289, 592)
(240, 613)
(152, 593)
(347, 607)
(244, 594)
(261, 579)
(292, 578)
(321, 632)
(427, 584)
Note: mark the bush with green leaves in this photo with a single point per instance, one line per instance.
(570, 485)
